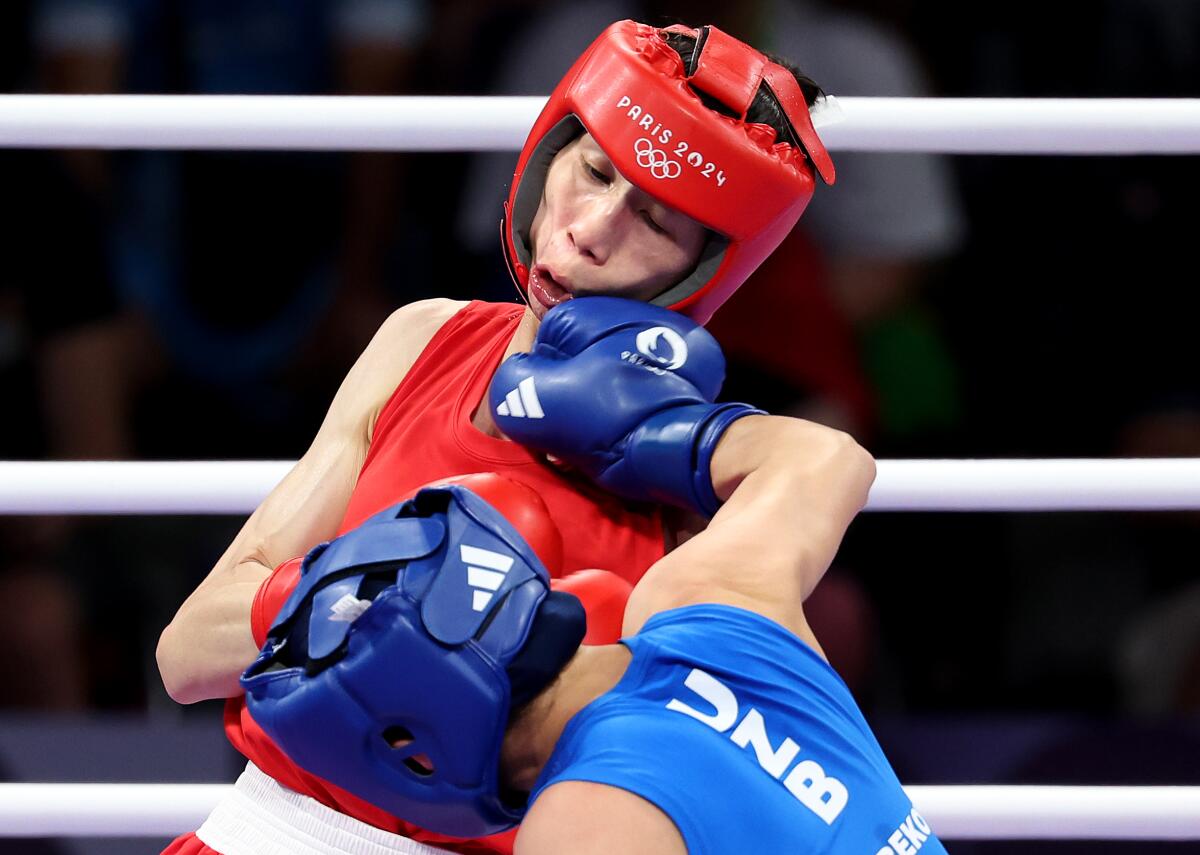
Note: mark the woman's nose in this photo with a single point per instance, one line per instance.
(595, 228)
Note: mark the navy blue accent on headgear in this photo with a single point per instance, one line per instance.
(460, 622)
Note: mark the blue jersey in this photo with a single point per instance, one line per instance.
(746, 738)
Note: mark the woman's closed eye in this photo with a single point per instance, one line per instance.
(654, 225)
(596, 174)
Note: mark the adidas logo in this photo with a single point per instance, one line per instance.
(348, 609)
(522, 402)
(485, 573)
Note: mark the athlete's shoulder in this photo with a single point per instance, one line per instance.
(414, 325)
(724, 634)
(409, 329)
(717, 620)
(385, 362)
(586, 818)
(421, 319)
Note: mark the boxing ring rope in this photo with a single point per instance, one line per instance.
(956, 812)
(237, 487)
(500, 123)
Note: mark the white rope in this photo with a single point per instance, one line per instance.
(1060, 813)
(1018, 126)
(1037, 485)
(953, 125)
(237, 487)
(266, 122)
(105, 810)
(956, 813)
(137, 487)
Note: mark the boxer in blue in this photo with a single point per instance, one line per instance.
(716, 725)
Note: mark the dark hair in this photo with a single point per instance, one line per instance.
(764, 109)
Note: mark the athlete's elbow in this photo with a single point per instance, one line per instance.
(834, 458)
(175, 668)
(859, 467)
(169, 670)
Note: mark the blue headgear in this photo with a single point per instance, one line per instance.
(429, 622)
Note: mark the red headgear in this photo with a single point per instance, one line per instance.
(631, 92)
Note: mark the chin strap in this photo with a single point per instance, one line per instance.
(510, 264)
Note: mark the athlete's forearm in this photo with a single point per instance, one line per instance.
(781, 446)
(208, 644)
(797, 483)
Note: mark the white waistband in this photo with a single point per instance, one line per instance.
(260, 816)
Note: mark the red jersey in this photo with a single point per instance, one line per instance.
(423, 434)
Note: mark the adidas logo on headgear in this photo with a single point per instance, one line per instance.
(522, 402)
(485, 573)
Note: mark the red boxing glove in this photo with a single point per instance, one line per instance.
(523, 508)
(603, 595)
(271, 596)
(518, 502)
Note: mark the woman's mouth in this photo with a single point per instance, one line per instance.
(546, 289)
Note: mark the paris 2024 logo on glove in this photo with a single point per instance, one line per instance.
(659, 349)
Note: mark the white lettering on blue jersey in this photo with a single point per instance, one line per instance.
(822, 794)
(716, 693)
(909, 837)
(753, 731)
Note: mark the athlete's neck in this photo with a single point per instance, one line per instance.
(521, 342)
(526, 332)
(534, 730)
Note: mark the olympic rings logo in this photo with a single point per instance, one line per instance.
(656, 160)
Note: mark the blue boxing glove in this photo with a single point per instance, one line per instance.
(622, 391)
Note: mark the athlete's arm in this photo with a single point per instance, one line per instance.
(790, 489)
(208, 644)
(625, 394)
(582, 818)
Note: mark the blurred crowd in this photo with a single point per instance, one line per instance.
(183, 305)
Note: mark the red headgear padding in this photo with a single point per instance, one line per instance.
(631, 92)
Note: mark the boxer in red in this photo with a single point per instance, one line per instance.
(666, 166)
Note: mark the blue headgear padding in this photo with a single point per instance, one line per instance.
(346, 671)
